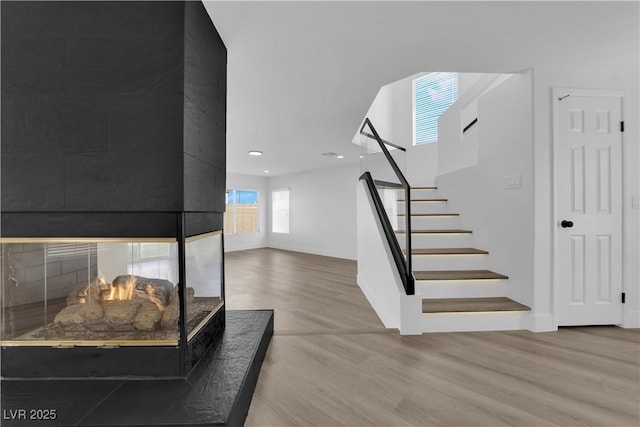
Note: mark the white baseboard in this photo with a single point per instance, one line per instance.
(540, 323)
(303, 249)
(237, 248)
(631, 319)
(315, 251)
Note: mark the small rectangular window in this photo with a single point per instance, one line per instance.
(433, 95)
(280, 204)
(241, 213)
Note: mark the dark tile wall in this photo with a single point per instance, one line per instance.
(113, 122)
(112, 107)
(205, 83)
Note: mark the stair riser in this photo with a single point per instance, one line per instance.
(467, 322)
(462, 289)
(437, 240)
(426, 207)
(419, 192)
(449, 262)
(431, 223)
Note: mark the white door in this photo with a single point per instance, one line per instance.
(588, 185)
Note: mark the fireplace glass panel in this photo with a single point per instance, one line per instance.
(89, 292)
(204, 277)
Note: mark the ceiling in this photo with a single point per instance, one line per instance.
(302, 74)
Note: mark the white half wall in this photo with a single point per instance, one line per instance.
(626, 80)
(244, 241)
(378, 275)
(322, 211)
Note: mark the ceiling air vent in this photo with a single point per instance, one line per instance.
(330, 154)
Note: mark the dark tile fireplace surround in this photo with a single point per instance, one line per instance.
(113, 133)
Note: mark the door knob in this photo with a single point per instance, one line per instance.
(566, 224)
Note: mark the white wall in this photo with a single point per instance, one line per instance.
(243, 241)
(501, 219)
(322, 211)
(392, 114)
(455, 149)
(627, 80)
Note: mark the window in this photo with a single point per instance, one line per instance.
(148, 251)
(280, 204)
(433, 94)
(149, 259)
(70, 250)
(241, 213)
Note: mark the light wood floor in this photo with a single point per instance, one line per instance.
(331, 362)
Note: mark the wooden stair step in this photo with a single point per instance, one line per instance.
(471, 305)
(458, 275)
(449, 251)
(436, 231)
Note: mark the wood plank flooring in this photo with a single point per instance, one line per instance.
(331, 362)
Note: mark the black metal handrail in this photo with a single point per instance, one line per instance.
(470, 125)
(402, 263)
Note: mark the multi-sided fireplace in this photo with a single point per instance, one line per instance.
(113, 188)
(153, 295)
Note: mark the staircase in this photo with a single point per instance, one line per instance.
(458, 292)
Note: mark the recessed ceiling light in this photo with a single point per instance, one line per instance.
(266, 171)
(340, 157)
(361, 156)
(255, 153)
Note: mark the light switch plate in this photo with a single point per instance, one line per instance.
(512, 181)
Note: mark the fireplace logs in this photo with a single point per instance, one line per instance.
(129, 303)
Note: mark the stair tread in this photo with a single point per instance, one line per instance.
(466, 305)
(436, 231)
(457, 275)
(449, 251)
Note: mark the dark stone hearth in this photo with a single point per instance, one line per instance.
(217, 392)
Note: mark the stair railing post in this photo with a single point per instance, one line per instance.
(408, 279)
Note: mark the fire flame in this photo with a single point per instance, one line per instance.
(154, 299)
(123, 291)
